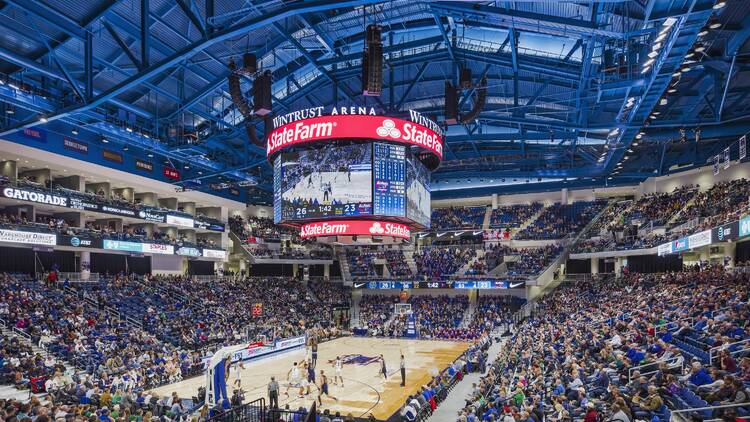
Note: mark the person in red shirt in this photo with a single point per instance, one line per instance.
(591, 413)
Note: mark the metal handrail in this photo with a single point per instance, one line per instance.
(723, 406)
(668, 361)
(664, 324)
(722, 347)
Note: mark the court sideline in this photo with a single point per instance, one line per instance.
(456, 400)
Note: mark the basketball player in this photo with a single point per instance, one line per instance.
(402, 365)
(338, 366)
(383, 369)
(238, 376)
(292, 377)
(314, 360)
(324, 387)
(327, 192)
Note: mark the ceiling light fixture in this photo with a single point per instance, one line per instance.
(703, 32)
(74, 131)
(43, 120)
(720, 4)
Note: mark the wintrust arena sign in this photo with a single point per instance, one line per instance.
(333, 127)
(355, 228)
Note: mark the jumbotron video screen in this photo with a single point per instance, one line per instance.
(326, 182)
(417, 191)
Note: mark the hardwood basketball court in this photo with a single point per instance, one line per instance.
(365, 390)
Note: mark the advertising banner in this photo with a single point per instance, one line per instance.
(354, 127)
(188, 251)
(180, 221)
(214, 253)
(29, 238)
(355, 227)
(664, 249)
(255, 350)
(730, 231)
(744, 226)
(157, 248)
(119, 245)
(77, 146)
(78, 242)
(699, 239)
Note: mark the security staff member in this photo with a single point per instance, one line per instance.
(403, 371)
(273, 393)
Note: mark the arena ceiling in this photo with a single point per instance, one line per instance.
(573, 94)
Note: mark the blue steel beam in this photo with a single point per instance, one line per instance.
(51, 73)
(192, 17)
(145, 34)
(444, 34)
(556, 25)
(739, 38)
(88, 65)
(123, 46)
(188, 51)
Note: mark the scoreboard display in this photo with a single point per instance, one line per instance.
(439, 284)
(324, 183)
(389, 179)
(356, 180)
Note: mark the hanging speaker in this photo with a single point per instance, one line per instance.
(372, 62)
(373, 75)
(465, 78)
(262, 94)
(249, 63)
(451, 104)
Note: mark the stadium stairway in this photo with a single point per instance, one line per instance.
(462, 271)
(409, 258)
(487, 218)
(528, 222)
(238, 246)
(10, 391)
(456, 399)
(677, 215)
(346, 275)
(469, 314)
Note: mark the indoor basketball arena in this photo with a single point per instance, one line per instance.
(369, 210)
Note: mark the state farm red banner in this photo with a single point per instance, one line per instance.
(354, 127)
(355, 228)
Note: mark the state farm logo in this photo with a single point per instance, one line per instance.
(390, 229)
(324, 229)
(377, 228)
(300, 132)
(388, 129)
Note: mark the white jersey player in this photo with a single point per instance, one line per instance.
(293, 377)
(338, 367)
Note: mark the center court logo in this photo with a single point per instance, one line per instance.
(388, 129)
(356, 360)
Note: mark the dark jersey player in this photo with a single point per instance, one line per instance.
(324, 387)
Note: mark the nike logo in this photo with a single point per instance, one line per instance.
(514, 285)
(358, 285)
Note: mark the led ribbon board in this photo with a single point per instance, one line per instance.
(355, 228)
(324, 128)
